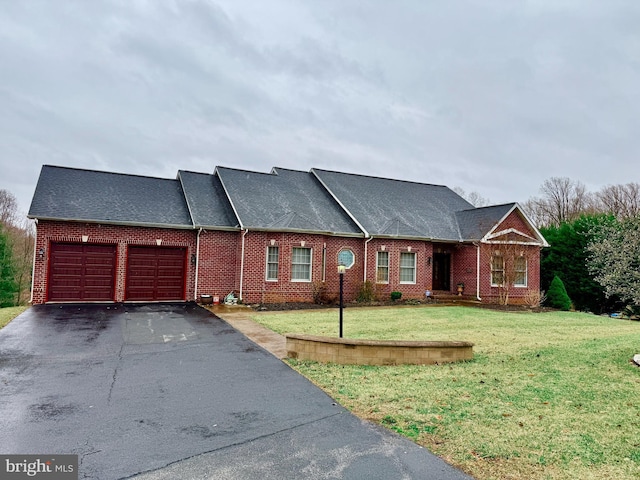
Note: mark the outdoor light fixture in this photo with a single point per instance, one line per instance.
(41, 253)
(341, 270)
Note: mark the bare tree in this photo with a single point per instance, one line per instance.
(474, 198)
(21, 239)
(508, 266)
(562, 200)
(623, 201)
(8, 208)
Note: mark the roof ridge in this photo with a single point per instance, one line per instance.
(382, 178)
(92, 170)
(243, 170)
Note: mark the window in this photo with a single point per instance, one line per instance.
(382, 268)
(301, 264)
(346, 258)
(520, 271)
(407, 268)
(497, 270)
(273, 254)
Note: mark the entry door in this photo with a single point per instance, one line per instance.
(441, 271)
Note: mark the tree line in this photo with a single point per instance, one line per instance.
(16, 252)
(595, 242)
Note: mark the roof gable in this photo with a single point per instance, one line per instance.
(418, 210)
(475, 223)
(206, 200)
(283, 200)
(87, 195)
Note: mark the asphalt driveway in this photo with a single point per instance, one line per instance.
(171, 391)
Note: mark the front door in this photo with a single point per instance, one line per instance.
(441, 271)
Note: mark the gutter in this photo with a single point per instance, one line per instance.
(478, 272)
(195, 290)
(33, 264)
(244, 232)
(366, 257)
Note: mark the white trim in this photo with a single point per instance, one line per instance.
(244, 232)
(353, 254)
(385, 282)
(366, 258)
(415, 267)
(351, 216)
(526, 272)
(267, 263)
(478, 273)
(492, 270)
(195, 288)
(540, 241)
(33, 264)
(302, 280)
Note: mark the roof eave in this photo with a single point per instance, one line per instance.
(111, 222)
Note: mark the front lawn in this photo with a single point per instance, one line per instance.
(9, 313)
(548, 395)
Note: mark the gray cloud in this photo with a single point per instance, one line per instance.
(489, 96)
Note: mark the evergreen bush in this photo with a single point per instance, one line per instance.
(557, 296)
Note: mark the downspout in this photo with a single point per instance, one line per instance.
(478, 273)
(244, 232)
(195, 294)
(33, 268)
(366, 244)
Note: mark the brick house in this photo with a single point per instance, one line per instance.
(270, 237)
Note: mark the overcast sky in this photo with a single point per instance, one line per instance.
(490, 96)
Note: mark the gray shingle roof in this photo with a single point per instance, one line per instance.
(207, 202)
(319, 201)
(477, 222)
(284, 200)
(72, 194)
(386, 207)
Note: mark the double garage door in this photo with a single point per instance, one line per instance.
(85, 273)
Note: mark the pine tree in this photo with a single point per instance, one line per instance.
(557, 295)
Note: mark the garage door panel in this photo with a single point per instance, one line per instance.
(81, 272)
(155, 273)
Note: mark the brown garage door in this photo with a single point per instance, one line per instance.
(155, 273)
(81, 272)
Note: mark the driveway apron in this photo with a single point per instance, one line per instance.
(171, 391)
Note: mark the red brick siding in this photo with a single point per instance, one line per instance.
(220, 261)
(257, 289)
(517, 222)
(517, 295)
(464, 269)
(423, 251)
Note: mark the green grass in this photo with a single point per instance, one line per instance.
(9, 313)
(547, 396)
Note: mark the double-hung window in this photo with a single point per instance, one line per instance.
(382, 267)
(520, 271)
(273, 255)
(301, 264)
(407, 267)
(497, 271)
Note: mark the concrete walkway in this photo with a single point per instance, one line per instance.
(239, 318)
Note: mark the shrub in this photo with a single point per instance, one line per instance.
(557, 296)
(367, 292)
(535, 298)
(396, 296)
(320, 294)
